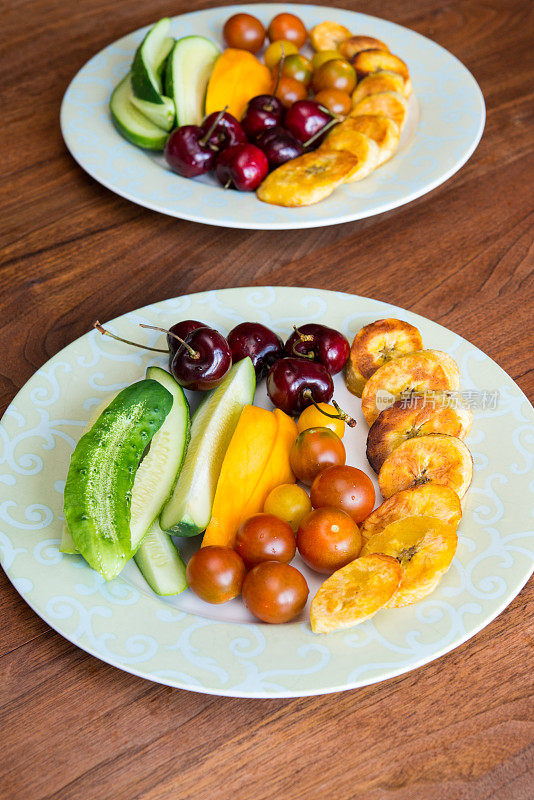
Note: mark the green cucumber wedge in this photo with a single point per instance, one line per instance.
(149, 60)
(97, 503)
(159, 469)
(189, 68)
(160, 562)
(188, 511)
(131, 123)
(161, 114)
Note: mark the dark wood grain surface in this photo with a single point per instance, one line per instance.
(72, 727)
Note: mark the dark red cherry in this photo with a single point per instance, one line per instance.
(242, 166)
(260, 343)
(258, 120)
(279, 146)
(203, 360)
(186, 152)
(320, 343)
(181, 329)
(222, 132)
(268, 102)
(292, 384)
(305, 118)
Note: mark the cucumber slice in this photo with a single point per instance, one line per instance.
(189, 67)
(161, 114)
(189, 509)
(148, 61)
(159, 469)
(131, 123)
(160, 562)
(102, 472)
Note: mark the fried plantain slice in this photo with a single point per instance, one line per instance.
(328, 36)
(376, 343)
(378, 82)
(355, 44)
(436, 458)
(424, 548)
(415, 373)
(427, 500)
(354, 593)
(307, 179)
(417, 416)
(385, 104)
(366, 150)
(369, 61)
(382, 130)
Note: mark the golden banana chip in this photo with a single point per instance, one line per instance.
(436, 458)
(369, 61)
(377, 343)
(417, 416)
(424, 547)
(354, 593)
(386, 104)
(351, 47)
(307, 179)
(382, 130)
(427, 500)
(366, 150)
(383, 81)
(415, 373)
(328, 36)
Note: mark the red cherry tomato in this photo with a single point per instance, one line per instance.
(288, 27)
(275, 592)
(264, 537)
(289, 91)
(327, 539)
(313, 450)
(244, 32)
(216, 573)
(344, 487)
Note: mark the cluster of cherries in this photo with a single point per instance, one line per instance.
(241, 154)
(299, 371)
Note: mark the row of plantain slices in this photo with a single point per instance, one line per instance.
(365, 139)
(415, 444)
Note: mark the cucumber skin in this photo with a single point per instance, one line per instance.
(143, 88)
(157, 142)
(102, 471)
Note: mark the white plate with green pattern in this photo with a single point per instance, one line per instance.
(444, 124)
(220, 650)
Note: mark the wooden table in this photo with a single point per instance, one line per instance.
(72, 727)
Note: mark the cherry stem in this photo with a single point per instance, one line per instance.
(193, 353)
(322, 131)
(104, 332)
(351, 422)
(279, 75)
(303, 337)
(203, 142)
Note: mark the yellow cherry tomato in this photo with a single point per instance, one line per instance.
(311, 417)
(320, 58)
(288, 502)
(273, 54)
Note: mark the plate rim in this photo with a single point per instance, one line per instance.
(278, 694)
(422, 190)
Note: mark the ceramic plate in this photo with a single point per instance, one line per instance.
(220, 649)
(444, 124)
